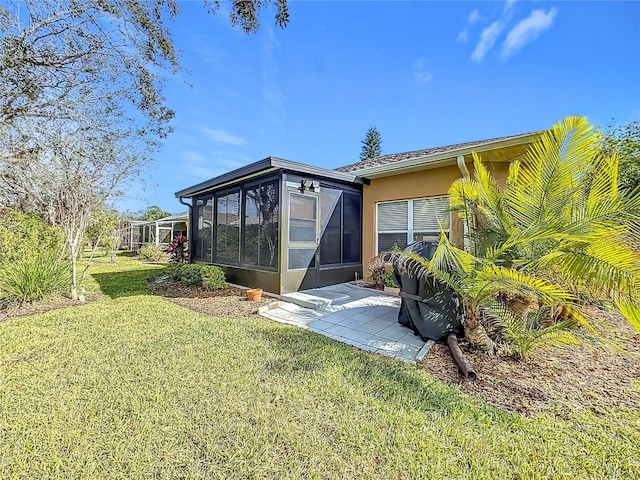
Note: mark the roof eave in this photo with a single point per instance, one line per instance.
(440, 159)
(269, 164)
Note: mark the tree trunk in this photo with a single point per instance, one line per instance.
(74, 274)
(474, 331)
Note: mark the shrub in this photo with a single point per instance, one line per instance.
(213, 277)
(31, 264)
(153, 253)
(174, 271)
(26, 235)
(34, 277)
(191, 275)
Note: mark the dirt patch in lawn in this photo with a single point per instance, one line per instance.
(13, 310)
(229, 302)
(598, 376)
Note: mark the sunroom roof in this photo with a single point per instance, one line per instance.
(263, 166)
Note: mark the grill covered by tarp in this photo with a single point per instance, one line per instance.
(429, 307)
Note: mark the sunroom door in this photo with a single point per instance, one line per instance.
(302, 239)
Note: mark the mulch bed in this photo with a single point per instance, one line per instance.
(597, 375)
(54, 303)
(230, 302)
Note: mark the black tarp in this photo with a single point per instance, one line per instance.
(428, 307)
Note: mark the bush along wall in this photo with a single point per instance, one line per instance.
(196, 275)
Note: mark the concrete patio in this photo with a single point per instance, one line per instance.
(362, 317)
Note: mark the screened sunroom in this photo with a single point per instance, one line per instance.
(279, 225)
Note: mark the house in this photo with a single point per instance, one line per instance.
(405, 197)
(285, 226)
(137, 233)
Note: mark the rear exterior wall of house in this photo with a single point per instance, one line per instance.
(386, 199)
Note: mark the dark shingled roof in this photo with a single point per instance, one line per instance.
(396, 157)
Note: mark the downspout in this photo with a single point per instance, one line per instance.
(465, 234)
(190, 229)
(463, 167)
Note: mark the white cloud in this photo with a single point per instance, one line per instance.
(508, 5)
(202, 173)
(474, 16)
(193, 157)
(488, 38)
(463, 36)
(274, 98)
(195, 165)
(221, 136)
(420, 72)
(527, 30)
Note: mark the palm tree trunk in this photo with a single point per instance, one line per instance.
(474, 331)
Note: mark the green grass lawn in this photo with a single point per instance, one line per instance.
(133, 386)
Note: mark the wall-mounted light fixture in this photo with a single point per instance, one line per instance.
(311, 185)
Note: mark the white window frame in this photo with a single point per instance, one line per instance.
(410, 230)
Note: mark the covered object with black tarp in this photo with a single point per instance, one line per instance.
(429, 307)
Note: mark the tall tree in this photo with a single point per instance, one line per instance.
(69, 173)
(371, 144)
(81, 102)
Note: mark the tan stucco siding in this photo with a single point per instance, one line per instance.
(420, 184)
(499, 170)
(426, 183)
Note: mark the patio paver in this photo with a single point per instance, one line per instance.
(362, 317)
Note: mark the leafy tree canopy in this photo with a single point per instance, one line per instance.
(57, 56)
(151, 213)
(625, 141)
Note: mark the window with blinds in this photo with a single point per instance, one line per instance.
(428, 215)
(403, 222)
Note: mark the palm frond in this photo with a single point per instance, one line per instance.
(525, 334)
(492, 279)
(631, 311)
(607, 264)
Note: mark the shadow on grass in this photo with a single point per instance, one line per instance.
(125, 283)
(297, 353)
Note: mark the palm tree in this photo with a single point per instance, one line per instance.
(557, 234)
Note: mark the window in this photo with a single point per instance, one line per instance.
(407, 221)
(227, 230)
(303, 214)
(204, 228)
(260, 224)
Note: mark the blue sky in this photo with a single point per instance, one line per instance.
(424, 73)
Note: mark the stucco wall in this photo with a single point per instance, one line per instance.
(421, 184)
(426, 183)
